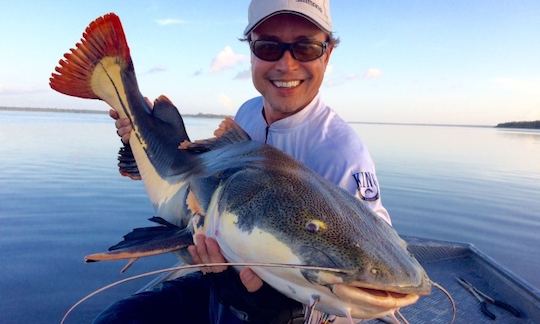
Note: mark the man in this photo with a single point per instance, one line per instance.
(291, 43)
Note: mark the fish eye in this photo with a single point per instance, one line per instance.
(315, 225)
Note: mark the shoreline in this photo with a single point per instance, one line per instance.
(507, 125)
(91, 111)
(420, 124)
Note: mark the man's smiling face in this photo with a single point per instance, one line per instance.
(287, 84)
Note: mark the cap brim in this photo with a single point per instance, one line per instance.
(251, 27)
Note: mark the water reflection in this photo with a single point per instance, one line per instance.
(530, 137)
(62, 198)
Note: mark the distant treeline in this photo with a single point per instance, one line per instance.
(203, 115)
(91, 111)
(62, 110)
(520, 124)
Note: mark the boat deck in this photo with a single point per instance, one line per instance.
(444, 261)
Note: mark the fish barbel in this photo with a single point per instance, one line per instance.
(259, 204)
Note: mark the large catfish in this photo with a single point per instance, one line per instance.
(257, 202)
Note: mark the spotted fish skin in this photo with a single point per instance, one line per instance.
(266, 200)
(258, 203)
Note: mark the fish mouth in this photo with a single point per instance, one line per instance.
(366, 301)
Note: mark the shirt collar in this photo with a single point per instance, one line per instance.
(300, 118)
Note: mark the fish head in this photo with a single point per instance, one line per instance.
(380, 275)
(284, 216)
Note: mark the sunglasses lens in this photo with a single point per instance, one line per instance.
(303, 51)
(267, 50)
(307, 51)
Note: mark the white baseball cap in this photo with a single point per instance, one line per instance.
(316, 11)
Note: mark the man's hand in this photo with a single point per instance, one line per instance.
(206, 250)
(224, 126)
(251, 281)
(123, 126)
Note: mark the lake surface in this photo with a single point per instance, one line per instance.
(61, 198)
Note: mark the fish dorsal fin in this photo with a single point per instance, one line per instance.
(234, 134)
(167, 112)
(104, 37)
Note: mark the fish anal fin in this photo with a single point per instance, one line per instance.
(103, 38)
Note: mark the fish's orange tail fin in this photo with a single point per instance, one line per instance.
(104, 37)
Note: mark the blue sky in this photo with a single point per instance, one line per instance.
(459, 62)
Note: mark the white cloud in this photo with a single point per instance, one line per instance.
(156, 69)
(226, 59)
(243, 75)
(372, 73)
(170, 21)
(334, 78)
(198, 72)
(338, 80)
(226, 102)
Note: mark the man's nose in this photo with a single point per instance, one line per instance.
(287, 62)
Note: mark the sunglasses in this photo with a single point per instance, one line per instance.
(303, 51)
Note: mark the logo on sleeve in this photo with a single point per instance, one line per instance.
(367, 185)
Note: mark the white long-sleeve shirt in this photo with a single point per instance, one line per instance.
(321, 140)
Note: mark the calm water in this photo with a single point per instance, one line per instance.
(61, 198)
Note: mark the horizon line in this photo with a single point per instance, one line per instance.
(201, 114)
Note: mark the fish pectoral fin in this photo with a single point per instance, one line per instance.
(147, 241)
(127, 164)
